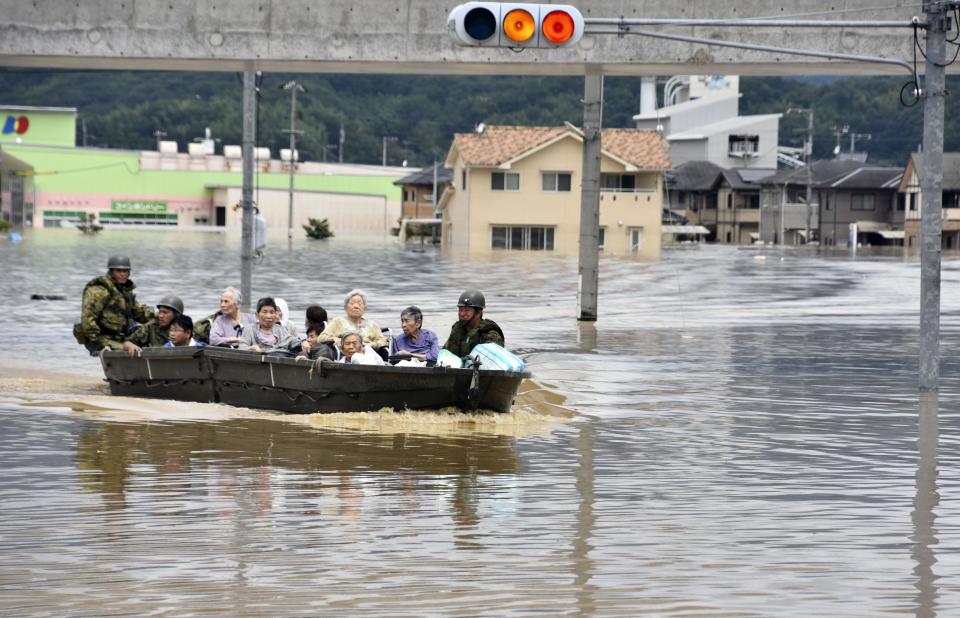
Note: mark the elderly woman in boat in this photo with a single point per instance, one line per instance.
(416, 343)
(356, 352)
(267, 336)
(355, 306)
(226, 327)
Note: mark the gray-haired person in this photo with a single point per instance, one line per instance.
(355, 306)
(228, 323)
(416, 342)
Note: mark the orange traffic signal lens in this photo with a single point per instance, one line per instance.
(558, 26)
(520, 26)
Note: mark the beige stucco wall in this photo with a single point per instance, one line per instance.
(479, 208)
(349, 215)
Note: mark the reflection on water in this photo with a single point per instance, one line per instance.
(927, 498)
(735, 436)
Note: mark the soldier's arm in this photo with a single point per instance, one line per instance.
(143, 313)
(139, 337)
(492, 336)
(94, 300)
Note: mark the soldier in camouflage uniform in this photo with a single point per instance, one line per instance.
(110, 310)
(472, 328)
(156, 332)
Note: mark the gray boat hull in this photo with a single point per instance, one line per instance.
(257, 381)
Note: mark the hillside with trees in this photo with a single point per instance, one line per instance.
(124, 109)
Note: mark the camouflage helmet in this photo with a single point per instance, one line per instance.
(472, 298)
(120, 262)
(171, 302)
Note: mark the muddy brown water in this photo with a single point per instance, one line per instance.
(739, 434)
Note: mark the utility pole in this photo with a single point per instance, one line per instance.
(808, 154)
(159, 135)
(934, 91)
(293, 86)
(387, 138)
(808, 160)
(853, 140)
(246, 237)
(589, 271)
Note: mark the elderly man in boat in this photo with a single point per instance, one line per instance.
(472, 328)
(155, 333)
(110, 310)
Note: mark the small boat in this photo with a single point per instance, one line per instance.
(252, 380)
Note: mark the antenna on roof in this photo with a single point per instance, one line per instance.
(480, 128)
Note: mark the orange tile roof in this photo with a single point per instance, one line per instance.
(643, 148)
(498, 144)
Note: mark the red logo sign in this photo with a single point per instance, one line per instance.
(16, 125)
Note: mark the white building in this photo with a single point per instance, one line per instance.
(711, 129)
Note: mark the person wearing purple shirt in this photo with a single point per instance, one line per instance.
(415, 342)
(226, 328)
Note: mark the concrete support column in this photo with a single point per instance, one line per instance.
(589, 272)
(934, 91)
(648, 94)
(246, 238)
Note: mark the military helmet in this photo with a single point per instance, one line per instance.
(171, 302)
(121, 262)
(472, 298)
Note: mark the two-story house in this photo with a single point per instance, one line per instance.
(911, 201)
(518, 188)
(724, 201)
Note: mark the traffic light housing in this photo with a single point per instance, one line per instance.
(515, 25)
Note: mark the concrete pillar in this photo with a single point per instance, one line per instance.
(648, 94)
(588, 280)
(246, 237)
(934, 84)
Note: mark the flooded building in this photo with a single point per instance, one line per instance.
(726, 202)
(911, 201)
(518, 188)
(58, 184)
(849, 199)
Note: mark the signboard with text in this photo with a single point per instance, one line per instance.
(138, 206)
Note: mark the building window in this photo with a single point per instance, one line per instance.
(622, 183)
(463, 180)
(744, 145)
(601, 238)
(636, 239)
(556, 181)
(951, 199)
(681, 197)
(146, 218)
(522, 238)
(752, 200)
(826, 202)
(901, 201)
(862, 201)
(729, 201)
(504, 181)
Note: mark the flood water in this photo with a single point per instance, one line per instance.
(740, 434)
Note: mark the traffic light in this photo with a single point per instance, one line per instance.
(504, 24)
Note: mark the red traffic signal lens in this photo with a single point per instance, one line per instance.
(480, 23)
(558, 27)
(519, 25)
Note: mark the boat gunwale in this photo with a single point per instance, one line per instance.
(256, 358)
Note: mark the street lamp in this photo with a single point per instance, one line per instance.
(293, 86)
(387, 138)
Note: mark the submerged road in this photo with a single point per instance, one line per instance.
(739, 434)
